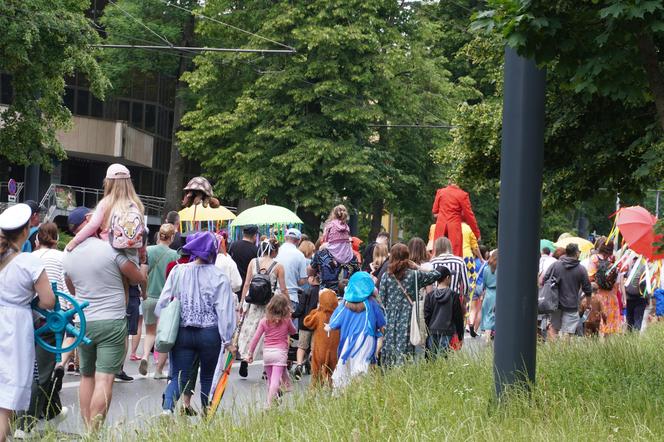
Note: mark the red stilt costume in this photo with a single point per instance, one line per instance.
(452, 207)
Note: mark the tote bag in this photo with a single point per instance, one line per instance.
(418, 329)
(169, 320)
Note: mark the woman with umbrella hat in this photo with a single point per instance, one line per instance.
(22, 275)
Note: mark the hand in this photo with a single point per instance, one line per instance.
(412, 265)
(231, 348)
(249, 359)
(70, 246)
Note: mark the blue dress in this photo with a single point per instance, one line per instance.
(489, 281)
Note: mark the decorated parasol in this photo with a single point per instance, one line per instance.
(271, 221)
(585, 246)
(637, 226)
(197, 217)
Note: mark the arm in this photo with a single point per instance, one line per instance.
(426, 278)
(465, 280)
(291, 328)
(166, 292)
(428, 310)
(226, 319)
(254, 341)
(585, 283)
(311, 320)
(91, 228)
(70, 286)
(247, 280)
(468, 216)
(44, 291)
(133, 273)
(436, 205)
(335, 319)
(457, 315)
(281, 278)
(144, 285)
(236, 279)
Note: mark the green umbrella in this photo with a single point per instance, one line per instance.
(547, 243)
(271, 220)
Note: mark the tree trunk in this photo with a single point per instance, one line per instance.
(311, 223)
(376, 219)
(175, 178)
(648, 51)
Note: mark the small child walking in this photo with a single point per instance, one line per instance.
(337, 237)
(360, 321)
(277, 326)
(325, 346)
(443, 315)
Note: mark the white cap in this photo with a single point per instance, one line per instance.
(15, 216)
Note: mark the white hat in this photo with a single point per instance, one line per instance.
(15, 216)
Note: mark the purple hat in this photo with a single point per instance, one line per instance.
(202, 245)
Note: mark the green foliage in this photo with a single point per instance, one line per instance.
(41, 43)
(295, 130)
(607, 389)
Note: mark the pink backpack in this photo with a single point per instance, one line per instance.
(127, 229)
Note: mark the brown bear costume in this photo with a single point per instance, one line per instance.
(324, 347)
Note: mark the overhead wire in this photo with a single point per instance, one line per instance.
(140, 22)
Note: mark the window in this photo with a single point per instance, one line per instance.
(68, 99)
(150, 117)
(97, 107)
(137, 114)
(6, 90)
(123, 110)
(82, 102)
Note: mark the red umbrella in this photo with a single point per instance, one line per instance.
(636, 225)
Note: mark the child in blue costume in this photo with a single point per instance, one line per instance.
(359, 319)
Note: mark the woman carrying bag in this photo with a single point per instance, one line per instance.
(207, 317)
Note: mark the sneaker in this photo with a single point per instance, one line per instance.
(77, 371)
(60, 418)
(143, 367)
(71, 367)
(244, 369)
(123, 377)
(297, 372)
(159, 375)
(134, 358)
(472, 331)
(264, 377)
(58, 374)
(188, 411)
(22, 435)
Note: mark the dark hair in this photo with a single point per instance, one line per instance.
(603, 246)
(8, 239)
(444, 272)
(560, 251)
(572, 249)
(399, 261)
(546, 251)
(47, 235)
(172, 217)
(278, 309)
(268, 247)
(383, 233)
(418, 250)
(483, 250)
(442, 245)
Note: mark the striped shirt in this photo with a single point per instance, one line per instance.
(52, 260)
(457, 268)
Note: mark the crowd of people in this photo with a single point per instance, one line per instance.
(320, 307)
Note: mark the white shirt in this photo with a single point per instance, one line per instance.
(228, 266)
(545, 262)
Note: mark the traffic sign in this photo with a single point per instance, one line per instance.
(12, 187)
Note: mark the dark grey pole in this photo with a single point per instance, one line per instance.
(32, 173)
(519, 222)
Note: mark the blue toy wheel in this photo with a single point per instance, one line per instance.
(58, 321)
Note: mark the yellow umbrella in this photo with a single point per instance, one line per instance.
(585, 246)
(200, 213)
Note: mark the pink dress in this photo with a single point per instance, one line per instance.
(337, 237)
(275, 344)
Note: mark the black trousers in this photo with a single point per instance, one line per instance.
(635, 309)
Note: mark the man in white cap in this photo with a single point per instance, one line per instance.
(94, 272)
(295, 264)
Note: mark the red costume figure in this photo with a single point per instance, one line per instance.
(450, 208)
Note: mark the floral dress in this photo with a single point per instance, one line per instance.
(609, 299)
(396, 347)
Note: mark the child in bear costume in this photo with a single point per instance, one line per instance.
(324, 353)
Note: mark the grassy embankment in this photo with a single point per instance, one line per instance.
(586, 390)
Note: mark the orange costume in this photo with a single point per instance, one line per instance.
(452, 205)
(324, 347)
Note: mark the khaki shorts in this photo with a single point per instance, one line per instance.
(149, 318)
(565, 322)
(304, 341)
(107, 351)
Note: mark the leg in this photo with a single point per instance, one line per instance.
(182, 357)
(639, 310)
(208, 346)
(274, 382)
(630, 307)
(148, 342)
(5, 417)
(268, 371)
(85, 391)
(101, 399)
(135, 340)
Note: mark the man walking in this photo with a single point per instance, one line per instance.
(570, 278)
(443, 250)
(450, 208)
(244, 251)
(295, 264)
(94, 272)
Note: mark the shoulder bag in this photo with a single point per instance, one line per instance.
(418, 329)
(547, 296)
(169, 319)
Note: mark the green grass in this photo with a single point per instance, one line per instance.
(586, 390)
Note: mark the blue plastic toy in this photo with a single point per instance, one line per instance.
(58, 321)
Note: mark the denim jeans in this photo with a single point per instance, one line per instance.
(438, 344)
(192, 342)
(635, 309)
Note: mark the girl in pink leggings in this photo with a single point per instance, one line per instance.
(277, 327)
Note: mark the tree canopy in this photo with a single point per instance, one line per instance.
(41, 43)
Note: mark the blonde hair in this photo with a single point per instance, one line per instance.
(119, 194)
(339, 212)
(379, 255)
(307, 248)
(166, 232)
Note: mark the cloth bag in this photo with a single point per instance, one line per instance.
(418, 329)
(169, 320)
(548, 297)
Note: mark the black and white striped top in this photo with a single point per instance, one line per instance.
(457, 268)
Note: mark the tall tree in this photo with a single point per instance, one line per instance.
(153, 22)
(41, 43)
(319, 127)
